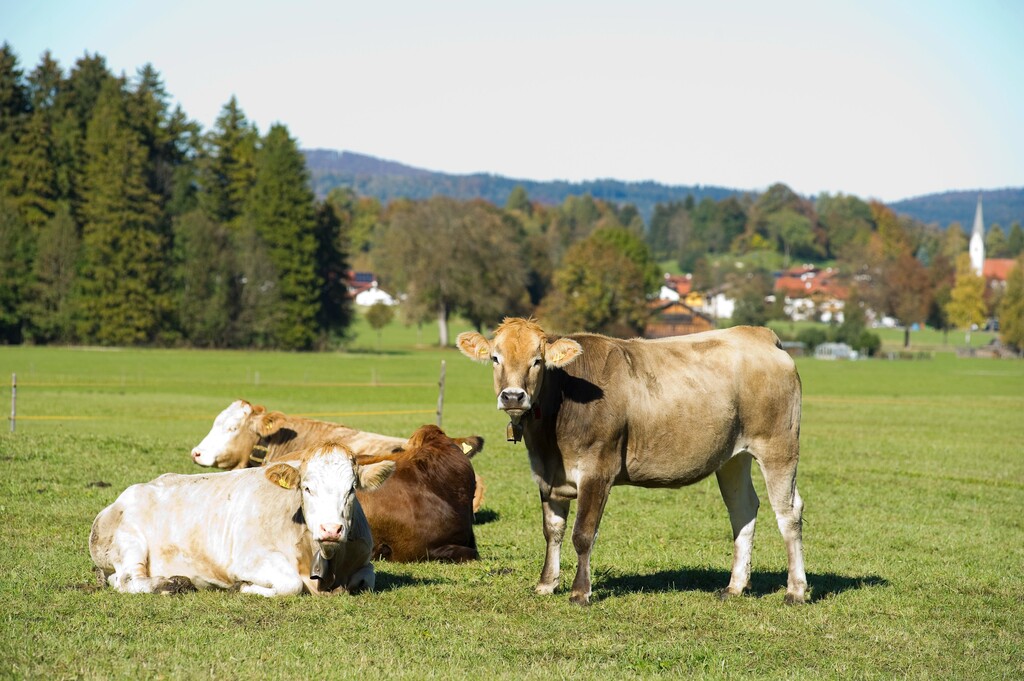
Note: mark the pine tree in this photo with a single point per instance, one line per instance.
(14, 108)
(1015, 241)
(206, 281)
(32, 173)
(49, 308)
(15, 256)
(335, 308)
(227, 167)
(121, 298)
(280, 210)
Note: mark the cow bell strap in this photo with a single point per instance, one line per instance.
(259, 452)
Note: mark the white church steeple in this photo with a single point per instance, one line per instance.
(977, 244)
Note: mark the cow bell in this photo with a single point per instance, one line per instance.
(319, 568)
(514, 431)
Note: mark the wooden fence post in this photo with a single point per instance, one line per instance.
(440, 395)
(14, 399)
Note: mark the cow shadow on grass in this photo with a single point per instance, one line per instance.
(762, 583)
(484, 516)
(386, 581)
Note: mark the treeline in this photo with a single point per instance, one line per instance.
(123, 223)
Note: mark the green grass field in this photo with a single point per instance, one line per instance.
(912, 474)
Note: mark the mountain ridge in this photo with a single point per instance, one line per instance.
(389, 180)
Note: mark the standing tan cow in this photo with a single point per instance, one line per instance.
(597, 412)
(289, 528)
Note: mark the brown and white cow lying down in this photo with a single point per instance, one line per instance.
(245, 435)
(282, 530)
(597, 412)
(422, 512)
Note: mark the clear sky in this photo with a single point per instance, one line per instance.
(883, 99)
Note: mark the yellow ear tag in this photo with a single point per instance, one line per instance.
(466, 448)
(283, 483)
(482, 352)
(557, 358)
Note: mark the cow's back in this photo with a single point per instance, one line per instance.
(673, 409)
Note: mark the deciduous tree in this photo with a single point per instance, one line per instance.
(966, 306)
(1011, 308)
(449, 256)
(599, 288)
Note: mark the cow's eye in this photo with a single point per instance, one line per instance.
(537, 362)
(494, 358)
(305, 488)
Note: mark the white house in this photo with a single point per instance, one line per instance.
(374, 295)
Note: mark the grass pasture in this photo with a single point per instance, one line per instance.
(912, 474)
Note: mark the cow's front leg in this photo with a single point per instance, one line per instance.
(555, 513)
(272, 575)
(592, 496)
(364, 579)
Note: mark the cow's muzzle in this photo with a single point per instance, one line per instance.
(513, 399)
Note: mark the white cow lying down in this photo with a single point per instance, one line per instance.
(283, 529)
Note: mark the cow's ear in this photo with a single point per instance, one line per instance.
(562, 352)
(269, 423)
(474, 346)
(283, 475)
(372, 476)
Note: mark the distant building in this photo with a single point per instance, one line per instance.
(374, 295)
(675, 318)
(976, 248)
(834, 351)
(362, 286)
(811, 293)
(994, 270)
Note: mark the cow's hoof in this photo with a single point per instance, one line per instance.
(580, 599)
(727, 593)
(176, 585)
(545, 589)
(793, 599)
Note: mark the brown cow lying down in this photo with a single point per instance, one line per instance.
(286, 529)
(245, 434)
(423, 512)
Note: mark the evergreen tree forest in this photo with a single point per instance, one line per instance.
(122, 222)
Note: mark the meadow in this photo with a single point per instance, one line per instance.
(912, 473)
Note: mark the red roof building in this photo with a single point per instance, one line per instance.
(807, 281)
(997, 268)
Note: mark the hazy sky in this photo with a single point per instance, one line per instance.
(879, 98)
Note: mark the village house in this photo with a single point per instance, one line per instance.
(363, 288)
(811, 293)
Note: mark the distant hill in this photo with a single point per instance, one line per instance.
(389, 180)
(1002, 206)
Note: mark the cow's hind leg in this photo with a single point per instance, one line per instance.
(130, 558)
(780, 479)
(740, 498)
(555, 513)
